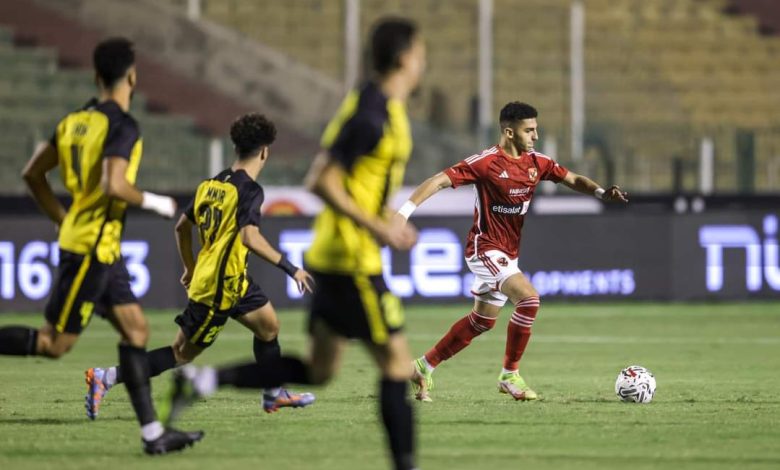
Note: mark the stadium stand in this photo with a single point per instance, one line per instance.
(660, 76)
(178, 115)
(713, 73)
(35, 93)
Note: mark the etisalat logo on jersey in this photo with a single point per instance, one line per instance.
(515, 209)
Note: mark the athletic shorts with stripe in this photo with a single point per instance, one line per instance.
(84, 287)
(356, 306)
(201, 324)
(491, 269)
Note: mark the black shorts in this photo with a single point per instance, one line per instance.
(83, 287)
(253, 299)
(201, 324)
(356, 306)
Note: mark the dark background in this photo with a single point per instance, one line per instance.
(614, 255)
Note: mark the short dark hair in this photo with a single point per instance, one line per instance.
(250, 132)
(112, 58)
(390, 38)
(514, 112)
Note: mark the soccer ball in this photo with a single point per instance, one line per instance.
(635, 384)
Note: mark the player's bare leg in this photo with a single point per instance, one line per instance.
(325, 352)
(526, 301)
(27, 341)
(52, 344)
(392, 358)
(481, 319)
(264, 324)
(184, 351)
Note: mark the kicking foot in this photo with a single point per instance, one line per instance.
(171, 440)
(182, 394)
(285, 398)
(96, 389)
(422, 381)
(514, 385)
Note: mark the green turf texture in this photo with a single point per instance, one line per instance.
(717, 403)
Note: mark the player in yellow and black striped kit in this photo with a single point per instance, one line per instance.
(366, 147)
(226, 213)
(98, 150)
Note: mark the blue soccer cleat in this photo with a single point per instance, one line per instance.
(96, 390)
(272, 404)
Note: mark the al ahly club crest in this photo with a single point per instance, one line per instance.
(532, 173)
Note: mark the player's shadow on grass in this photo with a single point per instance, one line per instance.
(56, 421)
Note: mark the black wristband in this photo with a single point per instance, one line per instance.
(285, 265)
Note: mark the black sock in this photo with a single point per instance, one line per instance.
(266, 350)
(135, 366)
(271, 373)
(18, 341)
(160, 360)
(398, 420)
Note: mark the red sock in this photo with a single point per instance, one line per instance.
(518, 331)
(459, 336)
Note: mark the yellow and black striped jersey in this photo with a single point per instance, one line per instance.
(370, 137)
(94, 221)
(221, 207)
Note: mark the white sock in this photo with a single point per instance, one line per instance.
(205, 381)
(429, 368)
(110, 378)
(152, 431)
(272, 392)
(505, 371)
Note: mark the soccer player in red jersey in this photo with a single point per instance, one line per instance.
(504, 178)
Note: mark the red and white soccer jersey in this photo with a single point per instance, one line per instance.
(503, 186)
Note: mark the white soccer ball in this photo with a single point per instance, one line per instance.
(635, 384)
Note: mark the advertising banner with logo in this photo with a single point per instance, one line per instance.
(716, 255)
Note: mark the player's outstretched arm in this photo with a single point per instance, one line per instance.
(421, 193)
(257, 244)
(184, 247)
(585, 185)
(326, 179)
(115, 184)
(34, 174)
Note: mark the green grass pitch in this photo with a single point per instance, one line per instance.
(717, 403)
